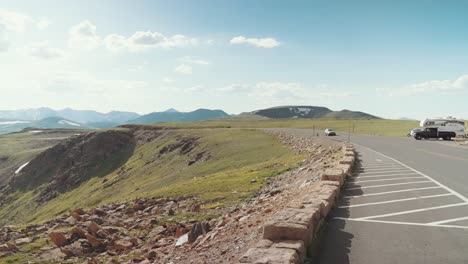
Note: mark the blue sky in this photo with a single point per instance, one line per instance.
(389, 58)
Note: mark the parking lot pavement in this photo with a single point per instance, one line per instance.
(385, 190)
(392, 213)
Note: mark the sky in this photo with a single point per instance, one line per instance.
(388, 58)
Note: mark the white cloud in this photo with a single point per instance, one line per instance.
(257, 42)
(115, 42)
(184, 69)
(43, 51)
(445, 86)
(83, 36)
(191, 60)
(147, 40)
(141, 41)
(14, 21)
(43, 23)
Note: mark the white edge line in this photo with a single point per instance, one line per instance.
(435, 181)
(399, 223)
(391, 179)
(384, 175)
(383, 185)
(398, 191)
(412, 211)
(448, 221)
(396, 201)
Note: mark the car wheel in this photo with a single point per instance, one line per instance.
(417, 137)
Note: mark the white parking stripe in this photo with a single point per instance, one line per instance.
(448, 220)
(399, 223)
(384, 185)
(391, 179)
(378, 172)
(378, 166)
(413, 211)
(382, 169)
(385, 175)
(429, 178)
(389, 192)
(397, 200)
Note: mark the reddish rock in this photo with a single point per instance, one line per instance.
(8, 247)
(58, 239)
(77, 233)
(77, 216)
(96, 243)
(123, 245)
(138, 207)
(93, 228)
(79, 211)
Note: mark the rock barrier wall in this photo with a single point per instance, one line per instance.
(291, 231)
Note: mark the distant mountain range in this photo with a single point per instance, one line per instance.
(81, 116)
(7, 126)
(311, 112)
(172, 115)
(11, 121)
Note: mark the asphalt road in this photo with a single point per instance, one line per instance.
(406, 203)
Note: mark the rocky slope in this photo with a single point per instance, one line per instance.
(70, 163)
(149, 230)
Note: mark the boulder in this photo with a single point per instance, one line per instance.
(77, 233)
(8, 247)
(347, 160)
(123, 245)
(23, 241)
(93, 228)
(96, 243)
(270, 256)
(291, 224)
(297, 245)
(58, 238)
(197, 230)
(333, 175)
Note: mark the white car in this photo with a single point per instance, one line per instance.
(330, 132)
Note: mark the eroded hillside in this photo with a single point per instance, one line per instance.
(216, 166)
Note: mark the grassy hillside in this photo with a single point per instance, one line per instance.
(216, 165)
(382, 127)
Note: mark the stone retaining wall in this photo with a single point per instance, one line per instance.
(292, 230)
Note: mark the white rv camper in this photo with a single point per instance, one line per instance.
(446, 124)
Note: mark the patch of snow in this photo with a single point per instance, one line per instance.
(21, 167)
(35, 131)
(304, 110)
(66, 122)
(13, 122)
